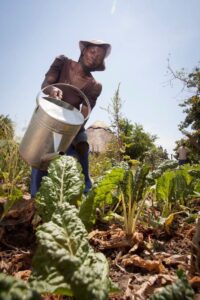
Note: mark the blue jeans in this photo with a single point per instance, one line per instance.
(36, 178)
(36, 175)
(182, 162)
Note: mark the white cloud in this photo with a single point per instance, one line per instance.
(113, 8)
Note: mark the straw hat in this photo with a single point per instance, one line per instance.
(84, 44)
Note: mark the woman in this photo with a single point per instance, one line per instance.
(65, 70)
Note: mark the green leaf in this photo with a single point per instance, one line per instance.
(177, 187)
(64, 183)
(134, 189)
(100, 194)
(164, 191)
(164, 166)
(64, 259)
(14, 197)
(163, 186)
(48, 279)
(91, 280)
(15, 289)
(127, 186)
(140, 183)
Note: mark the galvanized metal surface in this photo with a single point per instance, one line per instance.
(51, 130)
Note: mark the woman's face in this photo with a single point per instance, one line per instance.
(93, 56)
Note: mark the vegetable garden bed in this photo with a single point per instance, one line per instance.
(45, 243)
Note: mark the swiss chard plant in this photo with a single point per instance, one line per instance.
(133, 193)
(123, 186)
(164, 166)
(177, 187)
(104, 192)
(64, 262)
(64, 183)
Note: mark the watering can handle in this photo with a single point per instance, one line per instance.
(74, 88)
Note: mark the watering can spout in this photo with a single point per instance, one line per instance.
(49, 156)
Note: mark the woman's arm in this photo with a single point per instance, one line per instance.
(52, 76)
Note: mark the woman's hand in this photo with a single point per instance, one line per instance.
(56, 93)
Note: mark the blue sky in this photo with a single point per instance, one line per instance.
(143, 34)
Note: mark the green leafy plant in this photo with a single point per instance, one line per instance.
(16, 289)
(160, 169)
(64, 183)
(179, 290)
(176, 188)
(64, 262)
(6, 128)
(120, 186)
(133, 193)
(14, 198)
(99, 164)
(104, 192)
(197, 194)
(13, 171)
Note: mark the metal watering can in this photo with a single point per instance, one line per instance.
(52, 128)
